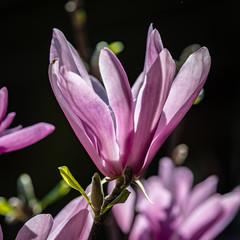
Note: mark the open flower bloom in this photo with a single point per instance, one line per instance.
(74, 222)
(178, 212)
(18, 137)
(117, 125)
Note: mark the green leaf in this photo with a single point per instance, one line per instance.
(5, 207)
(199, 98)
(72, 182)
(116, 47)
(120, 199)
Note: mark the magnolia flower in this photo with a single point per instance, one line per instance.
(118, 126)
(18, 137)
(178, 211)
(74, 222)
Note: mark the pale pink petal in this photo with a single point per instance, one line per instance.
(185, 89)
(3, 102)
(25, 137)
(7, 122)
(182, 184)
(200, 193)
(61, 49)
(137, 86)
(154, 47)
(37, 228)
(77, 227)
(201, 219)
(120, 98)
(124, 213)
(150, 102)
(73, 119)
(141, 229)
(90, 108)
(165, 171)
(230, 203)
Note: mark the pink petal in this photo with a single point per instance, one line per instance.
(230, 203)
(185, 89)
(76, 228)
(61, 49)
(36, 228)
(201, 219)
(90, 108)
(25, 137)
(165, 171)
(137, 86)
(154, 47)
(200, 193)
(124, 213)
(150, 102)
(141, 229)
(182, 184)
(120, 98)
(3, 103)
(1, 234)
(7, 122)
(73, 119)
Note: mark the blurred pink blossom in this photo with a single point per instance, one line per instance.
(178, 212)
(74, 222)
(18, 137)
(117, 125)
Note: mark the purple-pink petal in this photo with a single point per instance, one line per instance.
(61, 49)
(149, 105)
(37, 228)
(185, 89)
(120, 98)
(6, 122)
(24, 137)
(3, 103)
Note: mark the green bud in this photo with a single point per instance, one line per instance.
(97, 195)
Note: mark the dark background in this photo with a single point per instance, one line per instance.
(210, 129)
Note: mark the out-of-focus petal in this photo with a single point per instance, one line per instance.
(3, 102)
(185, 89)
(150, 102)
(37, 228)
(7, 122)
(201, 219)
(120, 98)
(182, 184)
(61, 49)
(73, 119)
(90, 108)
(165, 172)
(124, 213)
(230, 203)
(200, 193)
(25, 137)
(1, 234)
(141, 229)
(76, 228)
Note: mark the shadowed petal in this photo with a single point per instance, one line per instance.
(230, 203)
(73, 119)
(76, 228)
(125, 212)
(67, 55)
(120, 98)
(25, 137)
(90, 108)
(185, 89)
(150, 102)
(3, 102)
(37, 228)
